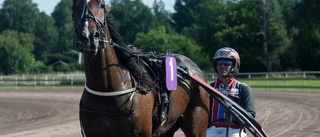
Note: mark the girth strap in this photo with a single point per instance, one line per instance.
(114, 93)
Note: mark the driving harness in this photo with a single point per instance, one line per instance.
(154, 63)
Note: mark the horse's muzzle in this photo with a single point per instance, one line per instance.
(90, 43)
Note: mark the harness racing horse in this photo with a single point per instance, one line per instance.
(119, 98)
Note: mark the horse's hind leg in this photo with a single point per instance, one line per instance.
(196, 117)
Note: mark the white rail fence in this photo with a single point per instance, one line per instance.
(43, 80)
(303, 79)
(79, 79)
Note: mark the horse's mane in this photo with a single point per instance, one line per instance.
(129, 57)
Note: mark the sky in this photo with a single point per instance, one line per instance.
(48, 5)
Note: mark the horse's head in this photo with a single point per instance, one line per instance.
(90, 25)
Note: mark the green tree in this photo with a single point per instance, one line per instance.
(230, 24)
(290, 58)
(279, 42)
(63, 22)
(131, 18)
(239, 25)
(15, 53)
(185, 9)
(307, 21)
(19, 15)
(163, 17)
(46, 36)
(160, 41)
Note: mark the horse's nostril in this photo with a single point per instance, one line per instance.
(96, 34)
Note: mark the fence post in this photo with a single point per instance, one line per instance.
(286, 75)
(304, 81)
(16, 82)
(249, 76)
(267, 77)
(35, 81)
(71, 82)
(53, 81)
(23, 78)
(46, 78)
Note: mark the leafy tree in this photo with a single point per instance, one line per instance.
(307, 21)
(63, 21)
(46, 36)
(235, 25)
(132, 17)
(279, 42)
(15, 53)
(185, 9)
(19, 15)
(162, 16)
(160, 41)
(238, 25)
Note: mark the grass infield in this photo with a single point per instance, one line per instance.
(302, 84)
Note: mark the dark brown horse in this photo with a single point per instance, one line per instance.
(119, 98)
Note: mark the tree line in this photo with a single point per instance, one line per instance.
(272, 35)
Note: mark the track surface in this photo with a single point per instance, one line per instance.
(54, 113)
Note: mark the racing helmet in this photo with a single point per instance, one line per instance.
(230, 54)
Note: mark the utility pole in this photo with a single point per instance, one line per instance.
(265, 43)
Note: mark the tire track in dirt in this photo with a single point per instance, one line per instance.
(263, 117)
(283, 114)
(25, 112)
(55, 113)
(312, 114)
(292, 125)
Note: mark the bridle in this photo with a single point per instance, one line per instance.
(97, 37)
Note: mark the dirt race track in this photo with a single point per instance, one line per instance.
(54, 113)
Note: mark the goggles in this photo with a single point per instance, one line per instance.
(226, 63)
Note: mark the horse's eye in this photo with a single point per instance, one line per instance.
(103, 6)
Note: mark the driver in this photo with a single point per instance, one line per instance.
(227, 64)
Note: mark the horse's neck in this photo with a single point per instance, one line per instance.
(106, 73)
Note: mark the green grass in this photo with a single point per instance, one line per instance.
(250, 83)
(287, 90)
(315, 83)
(283, 83)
